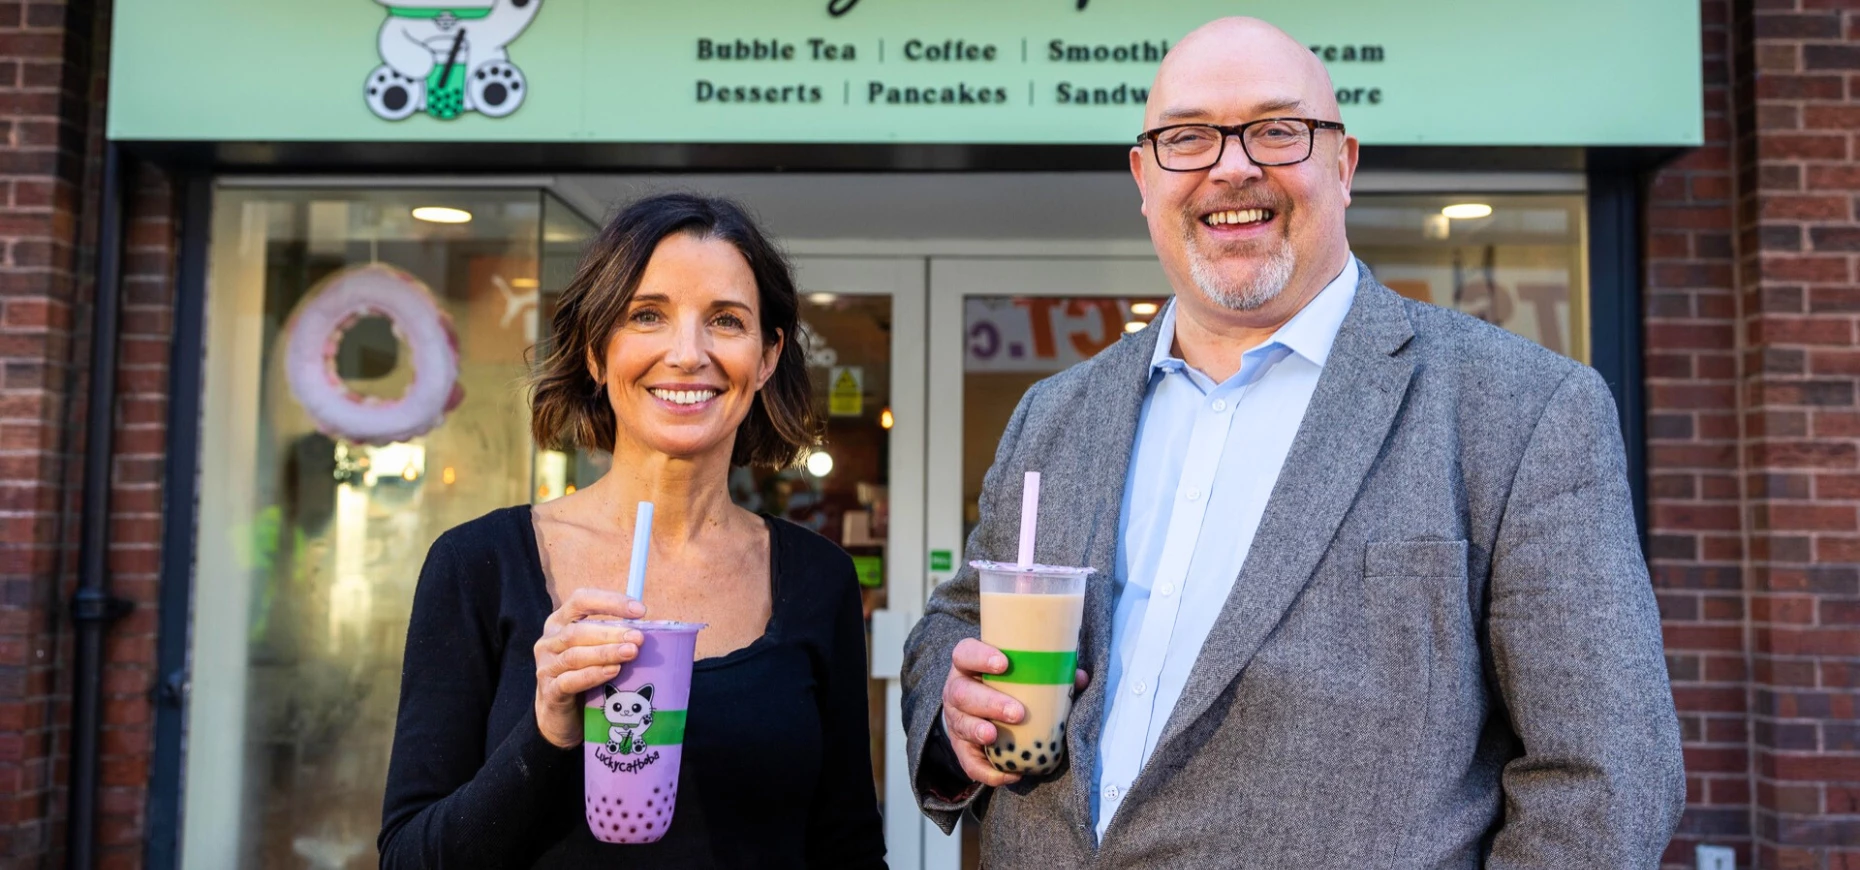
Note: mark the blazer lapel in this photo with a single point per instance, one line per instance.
(1356, 400)
(1115, 398)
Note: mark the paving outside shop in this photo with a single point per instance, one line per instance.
(1698, 247)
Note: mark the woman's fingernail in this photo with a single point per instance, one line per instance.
(627, 649)
(997, 663)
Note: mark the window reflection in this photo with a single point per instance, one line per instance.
(311, 542)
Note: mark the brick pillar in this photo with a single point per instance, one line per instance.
(52, 65)
(46, 171)
(135, 517)
(1798, 235)
(1696, 548)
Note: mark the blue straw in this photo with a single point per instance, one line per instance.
(642, 542)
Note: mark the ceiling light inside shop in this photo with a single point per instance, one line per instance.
(1143, 309)
(524, 283)
(821, 298)
(1460, 211)
(819, 464)
(885, 420)
(439, 214)
(1134, 326)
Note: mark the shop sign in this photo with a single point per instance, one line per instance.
(1042, 334)
(1515, 72)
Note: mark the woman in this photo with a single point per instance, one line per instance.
(674, 348)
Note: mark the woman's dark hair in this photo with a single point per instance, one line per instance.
(569, 408)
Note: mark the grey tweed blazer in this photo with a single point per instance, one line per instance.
(1442, 650)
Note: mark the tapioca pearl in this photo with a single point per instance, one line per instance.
(1042, 761)
(1012, 766)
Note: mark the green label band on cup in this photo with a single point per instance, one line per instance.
(668, 727)
(1037, 668)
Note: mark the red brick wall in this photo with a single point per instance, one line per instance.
(1754, 480)
(1696, 542)
(135, 516)
(51, 89)
(1798, 235)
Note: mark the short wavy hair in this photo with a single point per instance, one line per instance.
(569, 408)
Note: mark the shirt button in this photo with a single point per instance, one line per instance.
(1166, 590)
(1220, 405)
(1110, 792)
(1194, 495)
(1139, 687)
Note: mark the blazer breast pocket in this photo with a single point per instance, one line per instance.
(1415, 559)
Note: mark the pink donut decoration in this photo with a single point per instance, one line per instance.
(315, 332)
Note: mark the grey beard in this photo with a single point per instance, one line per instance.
(1274, 273)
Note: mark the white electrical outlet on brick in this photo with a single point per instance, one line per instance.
(1716, 858)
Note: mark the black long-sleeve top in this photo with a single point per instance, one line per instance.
(777, 768)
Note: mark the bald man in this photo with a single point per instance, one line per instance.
(1368, 589)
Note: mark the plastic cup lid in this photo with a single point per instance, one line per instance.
(1015, 568)
(651, 624)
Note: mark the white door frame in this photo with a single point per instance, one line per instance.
(902, 279)
(952, 281)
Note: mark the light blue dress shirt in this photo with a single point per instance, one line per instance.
(1196, 489)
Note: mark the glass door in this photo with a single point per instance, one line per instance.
(997, 326)
(862, 322)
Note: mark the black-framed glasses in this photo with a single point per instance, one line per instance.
(1266, 142)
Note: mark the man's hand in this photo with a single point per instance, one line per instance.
(971, 709)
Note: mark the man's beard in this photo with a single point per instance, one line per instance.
(1236, 294)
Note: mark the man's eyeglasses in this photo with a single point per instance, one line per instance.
(1266, 142)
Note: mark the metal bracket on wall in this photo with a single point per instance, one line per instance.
(94, 605)
(172, 690)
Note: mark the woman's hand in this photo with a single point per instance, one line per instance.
(575, 655)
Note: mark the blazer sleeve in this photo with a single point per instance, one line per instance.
(954, 613)
(1576, 648)
(447, 803)
(844, 828)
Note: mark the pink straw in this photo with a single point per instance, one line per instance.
(1029, 516)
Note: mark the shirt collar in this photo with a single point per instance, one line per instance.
(1310, 333)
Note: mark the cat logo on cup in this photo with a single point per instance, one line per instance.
(629, 717)
(447, 57)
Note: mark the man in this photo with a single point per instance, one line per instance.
(1369, 593)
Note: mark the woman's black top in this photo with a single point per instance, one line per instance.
(777, 767)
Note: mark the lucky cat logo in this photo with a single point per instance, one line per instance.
(629, 716)
(448, 57)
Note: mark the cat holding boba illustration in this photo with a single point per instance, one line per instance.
(447, 57)
(629, 716)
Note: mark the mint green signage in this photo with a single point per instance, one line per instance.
(1446, 72)
(941, 560)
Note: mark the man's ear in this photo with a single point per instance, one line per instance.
(1346, 165)
(1136, 172)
